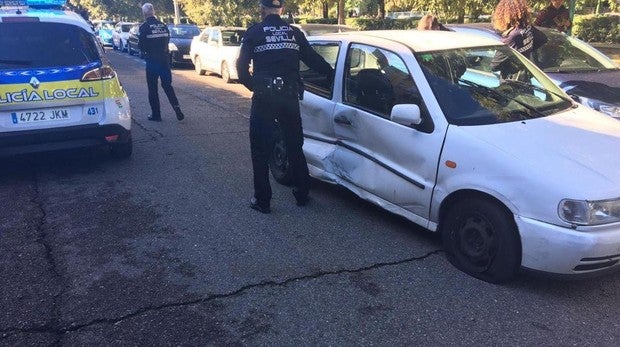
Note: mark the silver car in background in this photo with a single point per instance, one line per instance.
(579, 69)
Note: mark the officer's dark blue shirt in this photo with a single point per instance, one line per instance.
(276, 49)
(154, 38)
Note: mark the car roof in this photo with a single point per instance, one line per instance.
(45, 15)
(419, 41)
(225, 28)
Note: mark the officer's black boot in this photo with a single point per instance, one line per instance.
(177, 110)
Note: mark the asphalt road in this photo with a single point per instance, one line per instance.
(162, 249)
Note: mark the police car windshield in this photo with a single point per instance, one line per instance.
(45, 45)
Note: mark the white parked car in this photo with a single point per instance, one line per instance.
(511, 171)
(120, 35)
(216, 50)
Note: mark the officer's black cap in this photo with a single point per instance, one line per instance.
(272, 3)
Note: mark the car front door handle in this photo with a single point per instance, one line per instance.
(342, 120)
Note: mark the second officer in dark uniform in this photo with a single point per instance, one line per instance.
(276, 49)
(153, 42)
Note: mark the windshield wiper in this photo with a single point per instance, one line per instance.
(537, 88)
(502, 95)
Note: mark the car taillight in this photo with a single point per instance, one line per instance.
(102, 73)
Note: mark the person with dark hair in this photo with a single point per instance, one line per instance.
(513, 19)
(555, 15)
(154, 37)
(276, 48)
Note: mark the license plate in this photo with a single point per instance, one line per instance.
(185, 56)
(40, 116)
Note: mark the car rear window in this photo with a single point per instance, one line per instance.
(25, 45)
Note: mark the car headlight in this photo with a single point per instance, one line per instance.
(610, 110)
(172, 47)
(584, 212)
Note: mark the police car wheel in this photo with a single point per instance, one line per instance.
(278, 162)
(122, 150)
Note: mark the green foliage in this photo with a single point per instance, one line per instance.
(322, 20)
(382, 23)
(597, 28)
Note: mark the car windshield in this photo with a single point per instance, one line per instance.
(183, 32)
(489, 85)
(45, 45)
(232, 37)
(126, 27)
(106, 26)
(563, 53)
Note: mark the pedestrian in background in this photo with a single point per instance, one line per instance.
(555, 15)
(513, 19)
(153, 42)
(276, 48)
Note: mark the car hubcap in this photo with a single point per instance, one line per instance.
(476, 242)
(279, 156)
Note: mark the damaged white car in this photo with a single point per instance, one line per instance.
(466, 137)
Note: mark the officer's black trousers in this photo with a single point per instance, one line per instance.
(265, 110)
(159, 70)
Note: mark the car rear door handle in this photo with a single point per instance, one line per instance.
(342, 120)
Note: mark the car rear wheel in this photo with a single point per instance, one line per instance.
(481, 239)
(122, 150)
(129, 48)
(198, 66)
(226, 72)
(278, 162)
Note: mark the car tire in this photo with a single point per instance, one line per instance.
(129, 50)
(225, 73)
(122, 150)
(480, 238)
(278, 161)
(198, 67)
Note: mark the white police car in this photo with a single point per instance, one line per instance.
(57, 89)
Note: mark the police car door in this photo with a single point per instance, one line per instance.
(395, 163)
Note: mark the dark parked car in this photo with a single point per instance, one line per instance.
(181, 36)
(580, 70)
(133, 41)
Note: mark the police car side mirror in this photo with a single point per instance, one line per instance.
(406, 114)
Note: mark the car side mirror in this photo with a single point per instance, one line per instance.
(406, 114)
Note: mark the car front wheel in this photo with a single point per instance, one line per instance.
(226, 72)
(481, 239)
(198, 66)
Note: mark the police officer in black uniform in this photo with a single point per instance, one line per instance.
(153, 42)
(276, 49)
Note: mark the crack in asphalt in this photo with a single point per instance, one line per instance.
(42, 238)
(148, 131)
(74, 327)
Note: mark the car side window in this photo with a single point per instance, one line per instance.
(205, 36)
(215, 37)
(377, 79)
(314, 81)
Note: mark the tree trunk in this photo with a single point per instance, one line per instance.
(325, 9)
(381, 8)
(341, 13)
